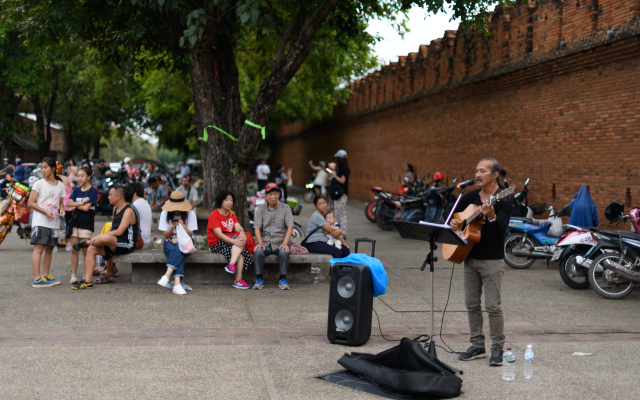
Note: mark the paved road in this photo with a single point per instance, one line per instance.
(132, 341)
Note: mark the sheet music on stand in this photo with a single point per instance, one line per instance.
(426, 230)
(446, 233)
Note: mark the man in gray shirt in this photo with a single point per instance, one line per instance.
(273, 223)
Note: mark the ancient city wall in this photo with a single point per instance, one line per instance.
(562, 115)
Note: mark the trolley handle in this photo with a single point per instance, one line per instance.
(373, 244)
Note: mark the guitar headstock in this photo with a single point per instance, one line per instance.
(506, 193)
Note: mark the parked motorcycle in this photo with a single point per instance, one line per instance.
(527, 239)
(18, 195)
(371, 209)
(577, 249)
(614, 274)
(309, 193)
(571, 247)
(429, 204)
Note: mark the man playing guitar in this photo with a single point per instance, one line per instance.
(483, 266)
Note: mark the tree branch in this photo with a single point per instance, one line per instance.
(277, 63)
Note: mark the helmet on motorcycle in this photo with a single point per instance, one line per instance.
(405, 181)
(59, 167)
(437, 177)
(614, 211)
(135, 174)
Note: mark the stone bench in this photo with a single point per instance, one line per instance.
(205, 267)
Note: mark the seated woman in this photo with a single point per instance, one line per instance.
(226, 236)
(318, 227)
(176, 211)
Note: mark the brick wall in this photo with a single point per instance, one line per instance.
(561, 116)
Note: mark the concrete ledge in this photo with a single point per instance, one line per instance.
(205, 267)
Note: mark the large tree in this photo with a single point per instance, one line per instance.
(208, 38)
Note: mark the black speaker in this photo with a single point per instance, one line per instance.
(350, 304)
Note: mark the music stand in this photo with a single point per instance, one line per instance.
(432, 233)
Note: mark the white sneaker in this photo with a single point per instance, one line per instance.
(74, 279)
(163, 281)
(178, 289)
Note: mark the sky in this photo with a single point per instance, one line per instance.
(423, 31)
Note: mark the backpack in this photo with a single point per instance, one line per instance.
(336, 189)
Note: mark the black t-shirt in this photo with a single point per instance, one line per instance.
(84, 219)
(343, 170)
(491, 244)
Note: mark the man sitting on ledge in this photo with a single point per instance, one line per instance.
(273, 223)
(121, 239)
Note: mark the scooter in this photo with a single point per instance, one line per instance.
(572, 246)
(579, 246)
(527, 239)
(614, 274)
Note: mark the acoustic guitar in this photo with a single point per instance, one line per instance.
(470, 228)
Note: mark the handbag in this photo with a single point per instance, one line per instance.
(304, 241)
(70, 225)
(184, 241)
(251, 243)
(336, 189)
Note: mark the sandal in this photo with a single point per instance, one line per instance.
(103, 279)
(115, 272)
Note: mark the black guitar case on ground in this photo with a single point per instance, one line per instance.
(405, 371)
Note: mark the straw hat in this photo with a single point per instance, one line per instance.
(177, 202)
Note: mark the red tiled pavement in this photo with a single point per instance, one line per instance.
(293, 336)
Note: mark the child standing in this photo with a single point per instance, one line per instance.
(46, 200)
(84, 198)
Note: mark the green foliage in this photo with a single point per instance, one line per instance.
(117, 148)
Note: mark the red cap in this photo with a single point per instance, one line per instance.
(270, 187)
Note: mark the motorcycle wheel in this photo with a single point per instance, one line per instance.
(297, 232)
(308, 196)
(383, 215)
(607, 283)
(573, 275)
(370, 211)
(516, 262)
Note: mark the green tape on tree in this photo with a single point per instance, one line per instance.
(262, 128)
(205, 136)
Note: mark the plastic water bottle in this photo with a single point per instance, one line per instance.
(528, 362)
(508, 365)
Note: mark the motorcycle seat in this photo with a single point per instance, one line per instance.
(523, 219)
(617, 234)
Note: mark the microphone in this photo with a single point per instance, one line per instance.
(465, 184)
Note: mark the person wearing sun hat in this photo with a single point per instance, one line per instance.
(175, 212)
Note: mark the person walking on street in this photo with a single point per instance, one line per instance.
(483, 267)
(273, 223)
(262, 174)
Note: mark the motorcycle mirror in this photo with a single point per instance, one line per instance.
(526, 182)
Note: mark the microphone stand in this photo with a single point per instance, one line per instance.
(431, 260)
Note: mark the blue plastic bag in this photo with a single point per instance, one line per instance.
(378, 273)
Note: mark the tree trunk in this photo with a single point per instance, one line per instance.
(69, 143)
(38, 110)
(216, 101)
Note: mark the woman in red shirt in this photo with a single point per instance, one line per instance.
(226, 236)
